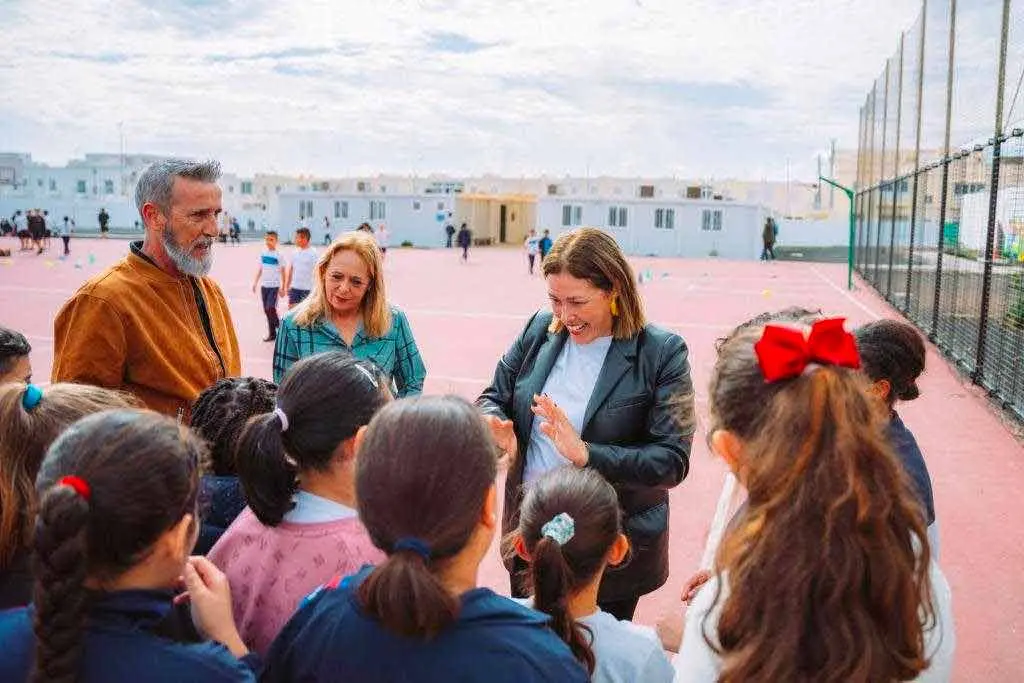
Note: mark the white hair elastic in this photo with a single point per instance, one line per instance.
(282, 417)
(369, 375)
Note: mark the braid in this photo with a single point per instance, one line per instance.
(221, 411)
(59, 565)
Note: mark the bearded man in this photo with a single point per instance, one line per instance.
(154, 324)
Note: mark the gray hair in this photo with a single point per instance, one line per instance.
(155, 184)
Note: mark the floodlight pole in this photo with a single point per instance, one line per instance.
(853, 229)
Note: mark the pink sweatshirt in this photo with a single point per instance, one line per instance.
(271, 569)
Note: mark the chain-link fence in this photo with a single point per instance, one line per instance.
(940, 186)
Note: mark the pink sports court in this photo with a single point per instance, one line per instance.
(465, 315)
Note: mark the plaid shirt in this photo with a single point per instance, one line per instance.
(395, 353)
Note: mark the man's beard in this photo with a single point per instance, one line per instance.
(182, 256)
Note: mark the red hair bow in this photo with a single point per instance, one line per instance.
(784, 352)
(77, 483)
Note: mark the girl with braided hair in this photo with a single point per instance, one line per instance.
(115, 526)
(218, 416)
(826, 573)
(570, 532)
(30, 419)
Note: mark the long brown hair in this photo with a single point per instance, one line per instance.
(559, 570)
(423, 474)
(376, 313)
(594, 255)
(827, 567)
(25, 434)
(141, 471)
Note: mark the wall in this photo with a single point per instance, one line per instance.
(739, 237)
(424, 227)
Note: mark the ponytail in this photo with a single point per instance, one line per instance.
(267, 474)
(407, 598)
(552, 582)
(59, 595)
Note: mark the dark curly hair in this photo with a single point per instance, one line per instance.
(221, 411)
(894, 351)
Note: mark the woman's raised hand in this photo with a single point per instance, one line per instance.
(504, 434)
(556, 426)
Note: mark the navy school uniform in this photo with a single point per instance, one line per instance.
(494, 640)
(120, 645)
(905, 445)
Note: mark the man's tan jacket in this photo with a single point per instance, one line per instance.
(134, 327)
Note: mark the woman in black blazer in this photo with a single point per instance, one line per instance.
(592, 384)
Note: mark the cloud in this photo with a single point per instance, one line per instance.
(455, 42)
(706, 88)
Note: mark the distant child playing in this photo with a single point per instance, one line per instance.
(269, 278)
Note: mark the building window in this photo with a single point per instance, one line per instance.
(646, 191)
(305, 209)
(665, 219)
(53, 184)
(108, 187)
(572, 215)
(246, 187)
(377, 212)
(440, 206)
(361, 186)
(80, 187)
(415, 206)
(552, 190)
(711, 220)
(341, 209)
(383, 189)
(39, 182)
(617, 217)
(693, 192)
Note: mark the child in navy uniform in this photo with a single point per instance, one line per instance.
(570, 531)
(218, 416)
(426, 484)
(115, 526)
(892, 355)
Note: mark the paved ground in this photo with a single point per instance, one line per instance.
(464, 316)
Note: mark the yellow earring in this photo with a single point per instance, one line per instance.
(615, 308)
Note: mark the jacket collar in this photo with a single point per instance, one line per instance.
(146, 266)
(621, 356)
(136, 608)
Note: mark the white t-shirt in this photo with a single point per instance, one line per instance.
(303, 263)
(624, 652)
(698, 663)
(533, 245)
(273, 262)
(570, 385)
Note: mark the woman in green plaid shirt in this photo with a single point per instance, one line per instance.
(348, 309)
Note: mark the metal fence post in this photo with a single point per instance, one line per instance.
(881, 180)
(897, 181)
(917, 154)
(943, 202)
(997, 143)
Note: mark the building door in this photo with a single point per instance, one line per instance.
(502, 223)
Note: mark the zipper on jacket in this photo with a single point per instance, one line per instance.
(204, 316)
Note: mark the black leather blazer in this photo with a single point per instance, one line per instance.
(638, 424)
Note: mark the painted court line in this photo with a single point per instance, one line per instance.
(849, 297)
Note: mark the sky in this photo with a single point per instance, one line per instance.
(695, 89)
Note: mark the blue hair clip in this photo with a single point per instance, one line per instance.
(32, 396)
(560, 529)
(413, 545)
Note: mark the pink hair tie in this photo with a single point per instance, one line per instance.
(77, 483)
